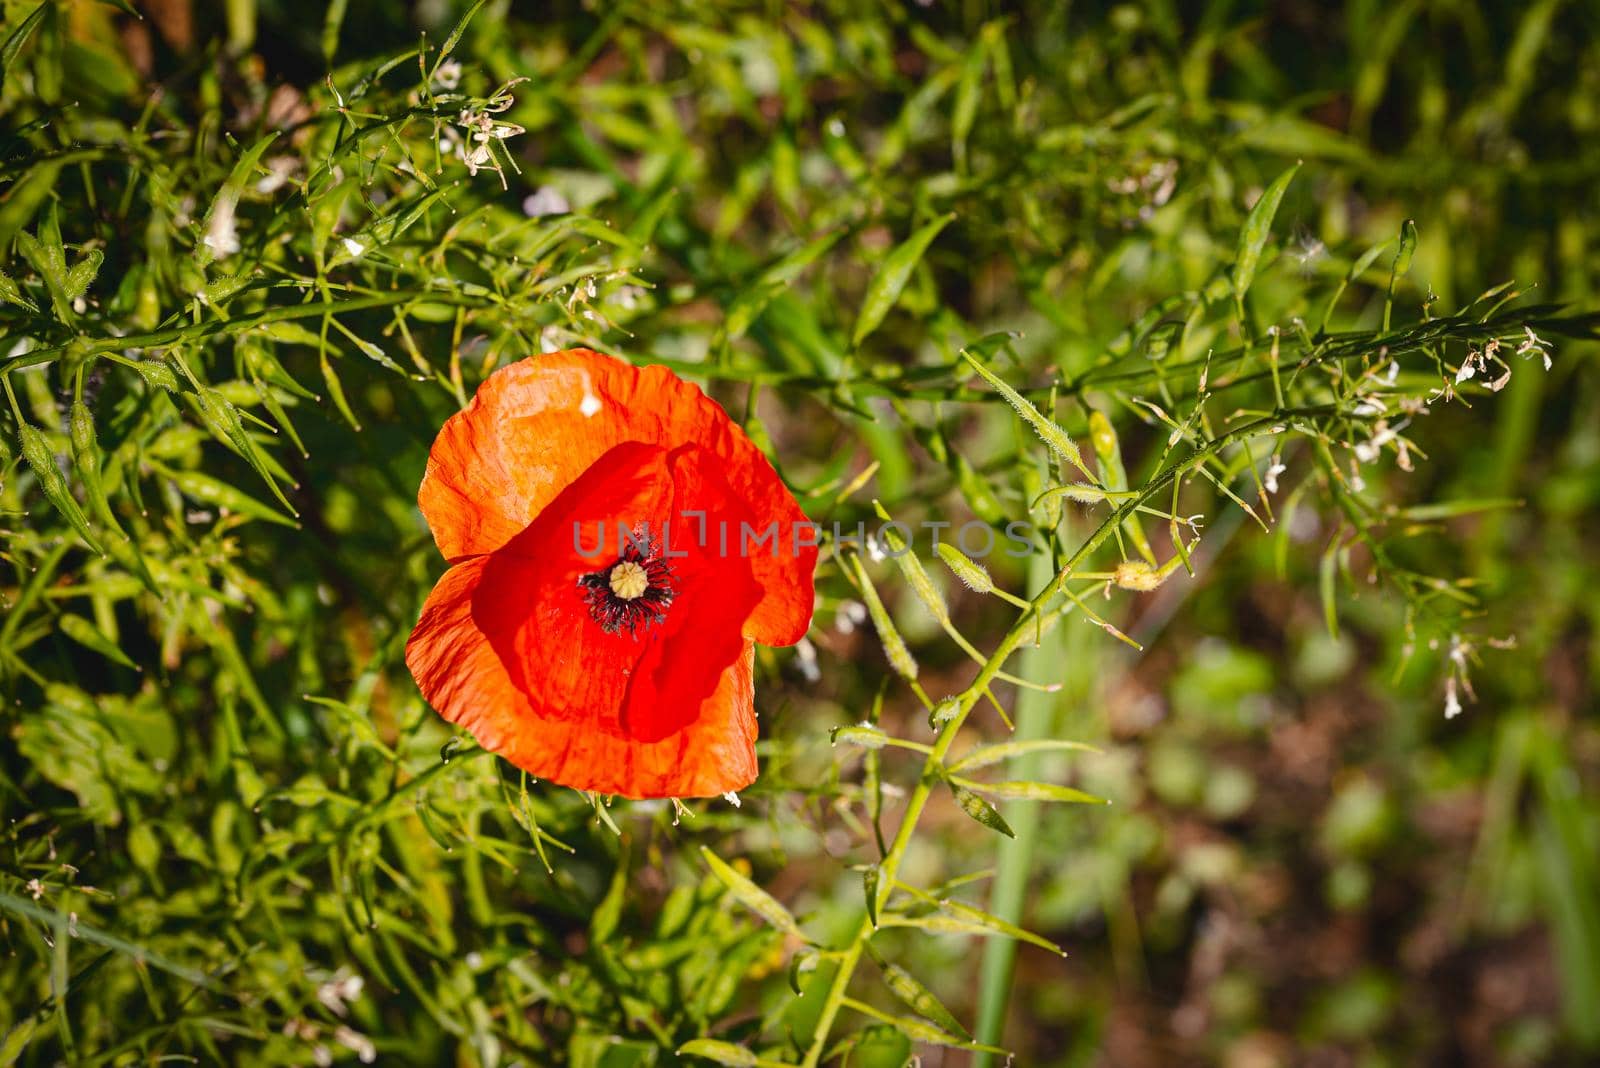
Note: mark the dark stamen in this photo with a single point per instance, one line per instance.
(633, 591)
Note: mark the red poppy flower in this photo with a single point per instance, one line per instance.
(617, 546)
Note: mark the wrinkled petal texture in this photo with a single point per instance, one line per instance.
(531, 488)
(535, 426)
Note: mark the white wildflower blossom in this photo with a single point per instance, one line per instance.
(337, 992)
(849, 616)
(357, 1042)
(484, 130)
(354, 247)
(1532, 344)
(447, 77)
(1269, 481)
(1452, 703)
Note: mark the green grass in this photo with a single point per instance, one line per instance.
(1101, 271)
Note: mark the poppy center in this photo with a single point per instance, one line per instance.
(629, 581)
(636, 590)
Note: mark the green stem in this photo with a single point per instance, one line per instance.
(1034, 720)
(932, 767)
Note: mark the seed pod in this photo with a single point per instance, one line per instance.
(158, 374)
(911, 567)
(86, 459)
(976, 576)
(943, 713)
(1136, 575)
(37, 452)
(894, 646)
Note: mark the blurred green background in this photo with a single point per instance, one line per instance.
(234, 833)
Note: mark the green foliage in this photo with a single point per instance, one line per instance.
(924, 255)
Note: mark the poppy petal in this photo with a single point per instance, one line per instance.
(508, 648)
(536, 426)
(463, 677)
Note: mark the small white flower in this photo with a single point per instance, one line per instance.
(1452, 704)
(1270, 480)
(354, 247)
(1532, 344)
(731, 798)
(356, 1041)
(448, 76)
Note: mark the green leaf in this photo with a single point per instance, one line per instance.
(88, 635)
(203, 488)
(986, 755)
(1253, 237)
(1401, 267)
(752, 896)
(455, 34)
(18, 38)
(1035, 791)
(772, 281)
(871, 884)
(1327, 586)
(95, 936)
(879, 1046)
(887, 284)
(609, 912)
(220, 214)
(958, 918)
(916, 997)
(719, 1052)
(981, 810)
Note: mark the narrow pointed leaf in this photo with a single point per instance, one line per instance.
(1253, 237)
(986, 755)
(752, 896)
(916, 997)
(892, 276)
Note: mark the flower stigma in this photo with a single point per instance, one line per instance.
(635, 590)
